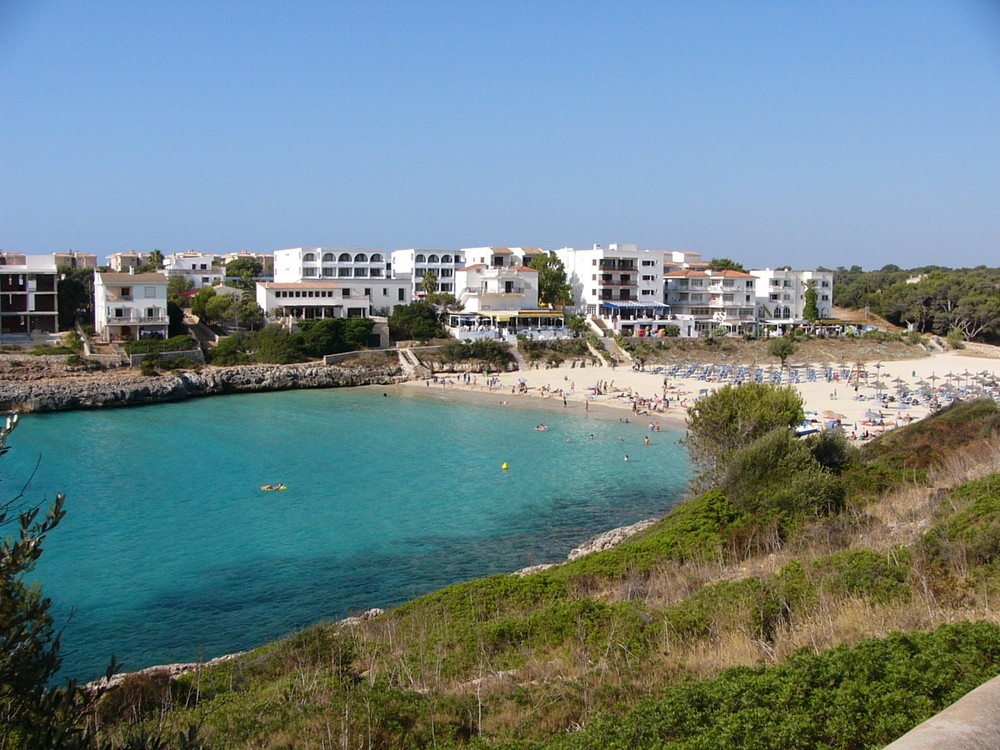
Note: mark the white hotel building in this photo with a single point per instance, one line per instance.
(330, 282)
(130, 306)
(413, 264)
(620, 286)
(781, 295)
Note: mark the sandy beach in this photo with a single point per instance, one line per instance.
(886, 395)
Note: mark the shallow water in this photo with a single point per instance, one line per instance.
(170, 552)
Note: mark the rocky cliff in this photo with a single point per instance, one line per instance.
(128, 388)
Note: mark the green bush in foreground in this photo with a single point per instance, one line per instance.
(860, 697)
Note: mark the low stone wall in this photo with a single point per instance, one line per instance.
(132, 389)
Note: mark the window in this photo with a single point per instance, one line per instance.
(205, 281)
(446, 259)
(376, 258)
(328, 257)
(825, 297)
(360, 258)
(400, 294)
(309, 272)
(385, 292)
(344, 258)
(368, 292)
(309, 257)
(149, 291)
(433, 259)
(420, 259)
(152, 312)
(328, 272)
(824, 284)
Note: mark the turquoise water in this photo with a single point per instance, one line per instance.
(170, 552)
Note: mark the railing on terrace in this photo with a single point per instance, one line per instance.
(138, 320)
(617, 282)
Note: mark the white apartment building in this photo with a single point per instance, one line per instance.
(202, 269)
(702, 301)
(310, 299)
(499, 296)
(619, 286)
(323, 282)
(781, 295)
(130, 306)
(332, 263)
(412, 264)
(28, 300)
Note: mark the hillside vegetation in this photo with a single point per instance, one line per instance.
(743, 619)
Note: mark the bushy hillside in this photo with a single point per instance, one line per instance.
(742, 619)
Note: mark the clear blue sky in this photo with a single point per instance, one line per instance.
(800, 132)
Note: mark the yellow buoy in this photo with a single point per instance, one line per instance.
(504, 466)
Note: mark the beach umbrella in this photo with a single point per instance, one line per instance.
(922, 382)
(934, 377)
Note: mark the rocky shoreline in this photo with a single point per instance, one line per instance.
(129, 388)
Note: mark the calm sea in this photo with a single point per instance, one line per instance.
(170, 551)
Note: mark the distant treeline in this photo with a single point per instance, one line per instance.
(933, 299)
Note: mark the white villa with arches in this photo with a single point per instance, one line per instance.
(412, 264)
(781, 295)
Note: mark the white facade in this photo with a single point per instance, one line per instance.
(343, 264)
(412, 264)
(130, 306)
(322, 298)
(712, 299)
(781, 294)
(307, 300)
(484, 288)
(619, 284)
(203, 269)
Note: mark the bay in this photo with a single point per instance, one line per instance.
(171, 552)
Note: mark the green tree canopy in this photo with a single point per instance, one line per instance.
(429, 282)
(418, 320)
(782, 347)
(245, 270)
(177, 285)
(732, 418)
(553, 289)
(725, 264)
(199, 302)
(811, 310)
(75, 291)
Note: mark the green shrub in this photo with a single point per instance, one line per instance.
(973, 532)
(956, 339)
(864, 573)
(484, 350)
(43, 349)
(155, 346)
(858, 697)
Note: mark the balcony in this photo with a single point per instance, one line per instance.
(486, 290)
(618, 282)
(608, 264)
(138, 320)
